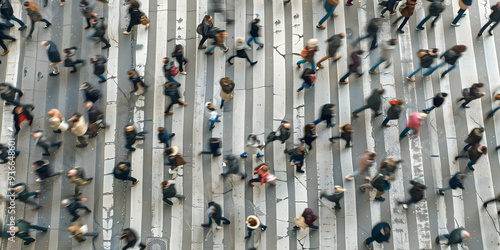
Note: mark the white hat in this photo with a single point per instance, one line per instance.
(256, 219)
(312, 42)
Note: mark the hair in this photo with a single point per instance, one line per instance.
(206, 17)
(478, 85)
(484, 149)
(400, 102)
(252, 221)
(256, 20)
(342, 34)
(168, 151)
(225, 80)
(131, 73)
(444, 94)
(393, 41)
(381, 91)
(77, 114)
(161, 129)
(360, 52)
(166, 58)
(348, 128)
(265, 168)
(309, 128)
(373, 155)
(163, 183)
(459, 48)
(435, 50)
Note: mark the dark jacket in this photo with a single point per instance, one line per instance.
(380, 182)
(217, 210)
(306, 76)
(99, 27)
(135, 16)
(437, 100)
(356, 62)
(43, 141)
(130, 137)
(24, 229)
(121, 174)
(254, 30)
(206, 27)
(92, 95)
(326, 113)
(44, 170)
(456, 236)
(377, 234)
(173, 93)
(474, 137)
(4, 153)
(232, 164)
(309, 138)
(415, 192)
(295, 157)
(427, 60)
(372, 28)
(99, 65)
(284, 134)
(53, 53)
(473, 94)
(34, 15)
(495, 14)
(164, 137)
(6, 9)
(95, 114)
(23, 195)
(455, 182)
(451, 56)
(89, 9)
(474, 155)
(7, 92)
(129, 235)
(394, 112)
(374, 101)
(334, 42)
(73, 205)
(167, 67)
(26, 111)
(436, 8)
(70, 57)
(309, 217)
(227, 88)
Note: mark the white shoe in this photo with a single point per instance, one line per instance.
(218, 227)
(39, 180)
(455, 25)
(172, 171)
(10, 129)
(405, 206)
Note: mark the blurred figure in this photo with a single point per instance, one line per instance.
(131, 238)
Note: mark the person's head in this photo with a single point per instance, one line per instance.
(123, 167)
(18, 189)
(332, 107)
(178, 47)
(225, 81)
(161, 129)
(214, 140)
(26, 4)
(165, 60)
(76, 116)
(480, 129)
(338, 189)
(84, 3)
(208, 18)
(465, 234)
(443, 94)
(311, 43)
(359, 52)
(399, 102)
(393, 41)
(72, 172)
(15, 229)
(265, 168)
(240, 40)
(479, 85)
(210, 106)
(342, 35)
(256, 20)
(85, 86)
(65, 202)
(459, 48)
(37, 134)
(381, 91)
(349, 128)
(37, 164)
(433, 51)
(310, 127)
(286, 125)
(168, 151)
(66, 51)
(44, 43)
(387, 230)
(377, 21)
(18, 110)
(483, 149)
(94, 20)
(131, 73)
(252, 221)
(94, 59)
(129, 128)
(88, 105)
(301, 150)
(73, 229)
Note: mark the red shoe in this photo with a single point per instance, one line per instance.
(251, 184)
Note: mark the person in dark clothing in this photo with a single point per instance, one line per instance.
(309, 135)
(455, 237)
(174, 159)
(326, 115)
(393, 112)
(491, 113)
(417, 193)
(172, 91)
(136, 80)
(98, 62)
(3, 36)
(168, 67)
(164, 136)
(219, 37)
(232, 166)
(437, 101)
(297, 156)
(475, 152)
(389, 166)
(470, 94)
(284, 133)
(96, 119)
(388, 6)
(22, 113)
(226, 90)
(464, 5)
(345, 133)
(254, 33)
(87, 8)
(373, 102)
(44, 170)
(8, 13)
(474, 137)
(454, 183)
(406, 13)
(371, 30)
(77, 176)
(131, 136)
(33, 11)
(354, 66)
(131, 238)
(179, 57)
(450, 57)
(435, 9)
(203, 28)
(215, 145)
(214, 212)
(240, 51)
(54, 56)
(380, 233)
(70, 60)
(335, 197)
(122, 172)
(42, 141)
(97, 23)
(91, 94)
(20, 192)
(380, 182)
(308, 220)
(22, 230)
(334, 43)
(8, 93)
(494, 18)
(308, 81)
(72, 204)
(427, 57)
(4, 153)
(485, 204)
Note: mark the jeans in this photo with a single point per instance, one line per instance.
(380, 61)
(213, 121)
(444, 189)
(74, 212)
(178, 196)
(345, 77)
(469, 165)
(19, 21)
(329, 13)
(46, 149)
(328, 121)
(101, 38)
(361, 109)
(305, 85)
(405, 20)
(172, 79)
(214, 153)
(405, 132)
(373, 44)
(369, 240)
(448, 70)
(255, 40)
(420, 25)
(33, 25)
(241, 54)
(101, 78)
(3, 36)
(493, 111)
(313, 65)
(249, 230)
(486, 26)
(225, 221)
(222, 47)
(428, 72)
(415, 72)
(386, 121)
(202, 41)
(459, 15)
(429, 109)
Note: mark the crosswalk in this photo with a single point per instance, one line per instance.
(265, 94)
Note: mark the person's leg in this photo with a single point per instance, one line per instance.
(19, 21)
(380, 61)
(101, 78)
(484, 27)
(442, 190)
(55, 68)
(493, 111)
(47, 23)
(434, 21)
(369, 240)
(130, 178)
(257, 42)
(130, 25)
(404, 132)
(82, 140)
(2, 44)
(459, 15)
(386, 120)
(304, 85)
(323, 59)
(28, 241)
(448, 70)
(320, 120)
(383, 11)
(129, 147)
(431, 70)
(250, 40)
(492, 27)
(374, 43)
(172, 79)
(301, 61)
(180, 196)
(359, 39)
(328, 14)
(169, 202)
(420, 25)
(202, 41)
(106, 42)
(222, 103)
(91, 234)
(30, 202)
(249, 233)
(31, 29)
(345, 77)
(39, 228)
(469, 165)
(360, 109)
(429, 109)
(405, 20)
(225, 221)
(248, 59)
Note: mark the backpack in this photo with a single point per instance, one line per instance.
(199, 29)
(303, 53)
(174, 71)
(421, 53)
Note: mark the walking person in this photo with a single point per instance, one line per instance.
(98, 61)
(131, 238)
(169, 191)
(308, 53)
(284, 133)
(96, 119)
(491, 113)
(164, 137)
(70, 60)
(385, 55)
(219, 37)
(417, 193)
(373, 102)
(493, 19)
(78, 230)
(22, 113)
(87, 8)
(135, 16)
(3, 28)
(179, 57)
(437, 101)
(297, 156)
(8, 14)
(172, 91)
(253, 223)
(464, 5)
(471, 94)
(254, 33)
(22, 230)
(414, 123)
(334, 43)
(262, 175)
(435, 9)
(214, 116)
(170, 71)
(44, 170)
(450, 57)
(42, 141)
(309, 76)
(136, 81)
(8, 93)
(380, 233)
(20, 192)
(241, 46)
(231, 165)
(77, 176)
(406, 13)
(33, 11)
(99, 27)
(345, 133)
(389, 165)
(353, 66)
(203, 29)
(215, 146)
(380, 182)
(427, 57)
(306, 220)
(53, 55)
(475, 152)
(327, 112)
(214, 212)
(226, 90)
(309, 135)
(394, 112)
(72, 204)
(372, 31)
(455, 237)
(454, 183)
(131, 136)
(5, 157)
(79, 127)
(253, 146)
(365, 161)
(330, 6)
(122, 172)
(388, 6)
(474, 137)
(174, 159)
(91, 94)
(335, 197)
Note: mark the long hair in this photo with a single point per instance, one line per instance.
(308, 129)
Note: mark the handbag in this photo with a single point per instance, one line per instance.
(84, 229)
(179, 160)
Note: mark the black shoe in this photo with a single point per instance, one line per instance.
(230, 63)
(355, 115)
(82, 145)
(47, 25)
(57, 131)
(107, 46)
(75, 218)
(100, 81)
(338, 207)
(73, 71)
(44, 154)
(52, 74)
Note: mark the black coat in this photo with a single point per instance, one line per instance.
(99, 65)
(427, 60)
(474, 155)
(6, 9)
(455, 182)
(451, 56)
(295, 157)
(372, 28)
(394, 112)
(376, 232)
(415, 193)
(495, 14)
(53, 53)
(170, 191)
(254, 30)
(135, 16)
(326, 112)
(44, 170)
(95, 114)
(73, 205)
(99, 27)
(206, 27)
(92, 95)
(26, 111)
(173, 93)
(121, 174)
(436, 8)
(437, 101)
(474, 137)
(232, 164)
(130, 137)
(374, 101)
(334, 43)
(10, 96)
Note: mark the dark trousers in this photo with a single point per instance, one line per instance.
(74, 212)
(30, 202)
(82, 140)
(75, 63)
(46, 148)
(249, 230)
(5, 37)
(405, 20)
(486, 26)
(174, 101)
(17, 98)
(130, 25)
(202, 41)
(493, 111)
(347, 140)
(102, 39)
(33, 25)
(373, 43)
(241, 54)
(28, 240)
(181, 60)
(178, 196)
(49, 174)
(332, 198)
(225, 221)
(128, 178)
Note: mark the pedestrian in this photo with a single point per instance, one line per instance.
(226, 90)
(385, 55)
(261, 174)
(345, 133)
(77, 176)
(215, 145)
(475, 152)
(172, 91)
(309, 135)
(96, 119)
(214, 212)
(44, 170)
(22, 113)
(20, 192)
(284, 133)
(219, 37)
(417, 193)
(42, 141)
(78, 230)
(203, 29)
(406, 11)
(241, 46)
(179, 56)
(450, 57)
(309, 76)
(8, 93)
(70, 60)
(464, 5)
(72, 204)
(4, 27)
(330, 6)
(174, 159)
(122, 172)
(455, 237)
(389, 165)
(373, 102)
(91, 94)
(131, 238)
(380, 233)
(98, 24)
(306, 220)
(470, 94)
(393, 112)
(371, 30)
(380, 182)
(232, 166)
(492, 112)
(87, 8)
(353, 66)
(164, 137)
(348, 3)
(334, 43)
(131, 136)
(435, 9)
(326, 115)
(253, 146)
(170, 70)
(214, 116)
(5, 155)
(388, 6)
(53, 55)
(137, 82)
(454, 183)
(365, 161)
(485, 204)
(254, 33)
(335, 197)
(253, 223)
(79, 127)
(98, 61)
(297, 156)
(414, 123)
(474, 137)
(8, 13)
(33, 11)
(308, 53)
(427, 57)
(437, 101)
(169, 191)
(22, 230)
(494, 19)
